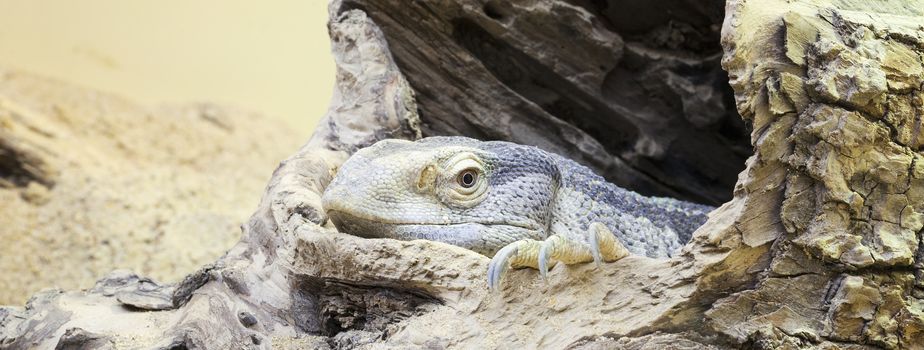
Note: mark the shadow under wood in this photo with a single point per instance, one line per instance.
(352, 315)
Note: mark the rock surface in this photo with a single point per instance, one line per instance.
(819, 248)
(90, 182)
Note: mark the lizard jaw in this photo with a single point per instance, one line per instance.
(473, 236)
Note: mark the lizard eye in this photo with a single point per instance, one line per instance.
(467, 178)
(464, 181)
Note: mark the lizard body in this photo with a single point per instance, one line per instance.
(520, 204)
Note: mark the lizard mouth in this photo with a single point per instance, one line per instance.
(467, 235)
(376, 228)
(361, 226)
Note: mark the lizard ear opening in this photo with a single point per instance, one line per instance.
(427, 179)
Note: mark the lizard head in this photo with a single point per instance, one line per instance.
(455, 190)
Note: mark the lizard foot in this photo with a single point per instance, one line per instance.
(598, 244)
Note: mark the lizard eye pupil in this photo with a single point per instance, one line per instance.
(467, 178)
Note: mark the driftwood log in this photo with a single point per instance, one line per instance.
(819, 246)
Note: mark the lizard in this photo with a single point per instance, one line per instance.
(520, 205)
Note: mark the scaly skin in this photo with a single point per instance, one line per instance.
(521, 205)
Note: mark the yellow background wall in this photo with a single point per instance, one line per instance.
(267, 56)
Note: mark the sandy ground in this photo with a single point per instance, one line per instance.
(119, 184)
(91, 182)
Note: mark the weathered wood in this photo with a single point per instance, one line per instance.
(633, 89)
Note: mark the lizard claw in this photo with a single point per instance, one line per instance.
(517, 254)
(604, 244)
(594, 240)
(500, 263)
(595, 251)
(544, 258)
(549, 252)
(598, 244)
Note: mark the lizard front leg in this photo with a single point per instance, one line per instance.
(597, 244)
